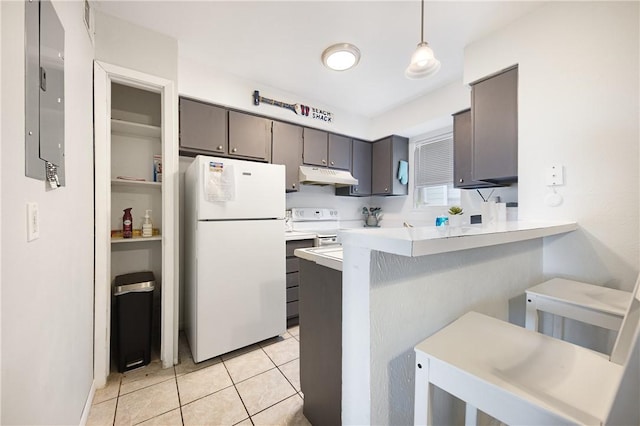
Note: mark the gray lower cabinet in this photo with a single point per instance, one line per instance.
(339, 152)
(203, 127)
(249, 136)
(360, 169)
(321, 343)
(385, 162)
(293, 278)
(286, 149)
(315, 149)
(494, 118)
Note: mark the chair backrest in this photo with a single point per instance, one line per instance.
(624, 405)
(629, 330)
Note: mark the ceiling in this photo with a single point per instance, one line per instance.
(279, 43)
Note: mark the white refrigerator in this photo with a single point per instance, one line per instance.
(235, 290)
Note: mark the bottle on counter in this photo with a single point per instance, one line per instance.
(147, 228)
(127, 224)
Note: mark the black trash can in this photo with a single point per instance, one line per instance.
(133, 312)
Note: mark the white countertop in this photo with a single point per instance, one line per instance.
(329, 256)
(297, 235)
(426, 240)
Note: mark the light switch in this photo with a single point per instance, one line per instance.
(33, 222)
(555, 175)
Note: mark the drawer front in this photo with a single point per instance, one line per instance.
(293, 279)
(296, 244)
(292, 309)
(292, 294)
(293, 264)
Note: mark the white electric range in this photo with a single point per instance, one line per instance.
(319, 223)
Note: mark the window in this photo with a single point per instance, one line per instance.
(433, 165)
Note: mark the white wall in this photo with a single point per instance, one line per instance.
(396, 301)
(47, 284)
(121, 43)
(578, 106)
(208, 84)
(1, 138)
(423, 114)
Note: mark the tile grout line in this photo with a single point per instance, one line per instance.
(273, 405)
(175, 377)
(180, 405)
(115, 412)
(285, 376)
(236, 389)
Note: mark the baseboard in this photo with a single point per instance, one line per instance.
(87, 404)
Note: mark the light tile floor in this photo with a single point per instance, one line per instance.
(256, 385)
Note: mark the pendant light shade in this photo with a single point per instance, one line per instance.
(423, 61)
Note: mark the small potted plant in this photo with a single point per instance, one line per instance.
(455, 216)
(373, 216)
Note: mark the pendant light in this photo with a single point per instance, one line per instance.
(423, 61)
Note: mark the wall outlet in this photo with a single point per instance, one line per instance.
(33, 222)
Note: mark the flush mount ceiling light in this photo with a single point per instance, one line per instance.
(341, 56)
(423, 61)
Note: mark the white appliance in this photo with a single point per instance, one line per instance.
(322, 176)
(234, 254)
(323, 222)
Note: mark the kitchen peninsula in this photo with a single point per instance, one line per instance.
(400, 285)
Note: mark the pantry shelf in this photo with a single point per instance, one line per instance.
(135, 183)
(120, 240)
(131, 128)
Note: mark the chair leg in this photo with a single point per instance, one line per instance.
(531, 315)
(558, 327)
(470, 415)
(423, 392)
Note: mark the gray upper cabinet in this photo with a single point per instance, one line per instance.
(286, 149)
(463, 152)
(203, 127)
(339, 152)
(249, 136)
(360, 169)
(328, 150)
(494, 117)
(386, 156)
(315, 151)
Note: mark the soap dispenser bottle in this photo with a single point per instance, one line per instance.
(127, 224)
(147, 228)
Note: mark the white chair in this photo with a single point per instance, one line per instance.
(588, 303)
(520, 376)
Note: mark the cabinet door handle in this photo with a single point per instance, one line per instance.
(324, 161)
(386, 190)
(219, 148)
(355, 189)
(461, 180)
(293, 185)
(332, 163)
(234, 150)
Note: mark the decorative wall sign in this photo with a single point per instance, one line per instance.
(299, 109)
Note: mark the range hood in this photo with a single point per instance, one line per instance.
(311, 175)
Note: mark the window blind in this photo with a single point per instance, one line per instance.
(434, 165)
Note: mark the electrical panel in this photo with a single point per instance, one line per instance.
(44, 93)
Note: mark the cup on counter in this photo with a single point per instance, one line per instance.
(501, 212)
(442, 221)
